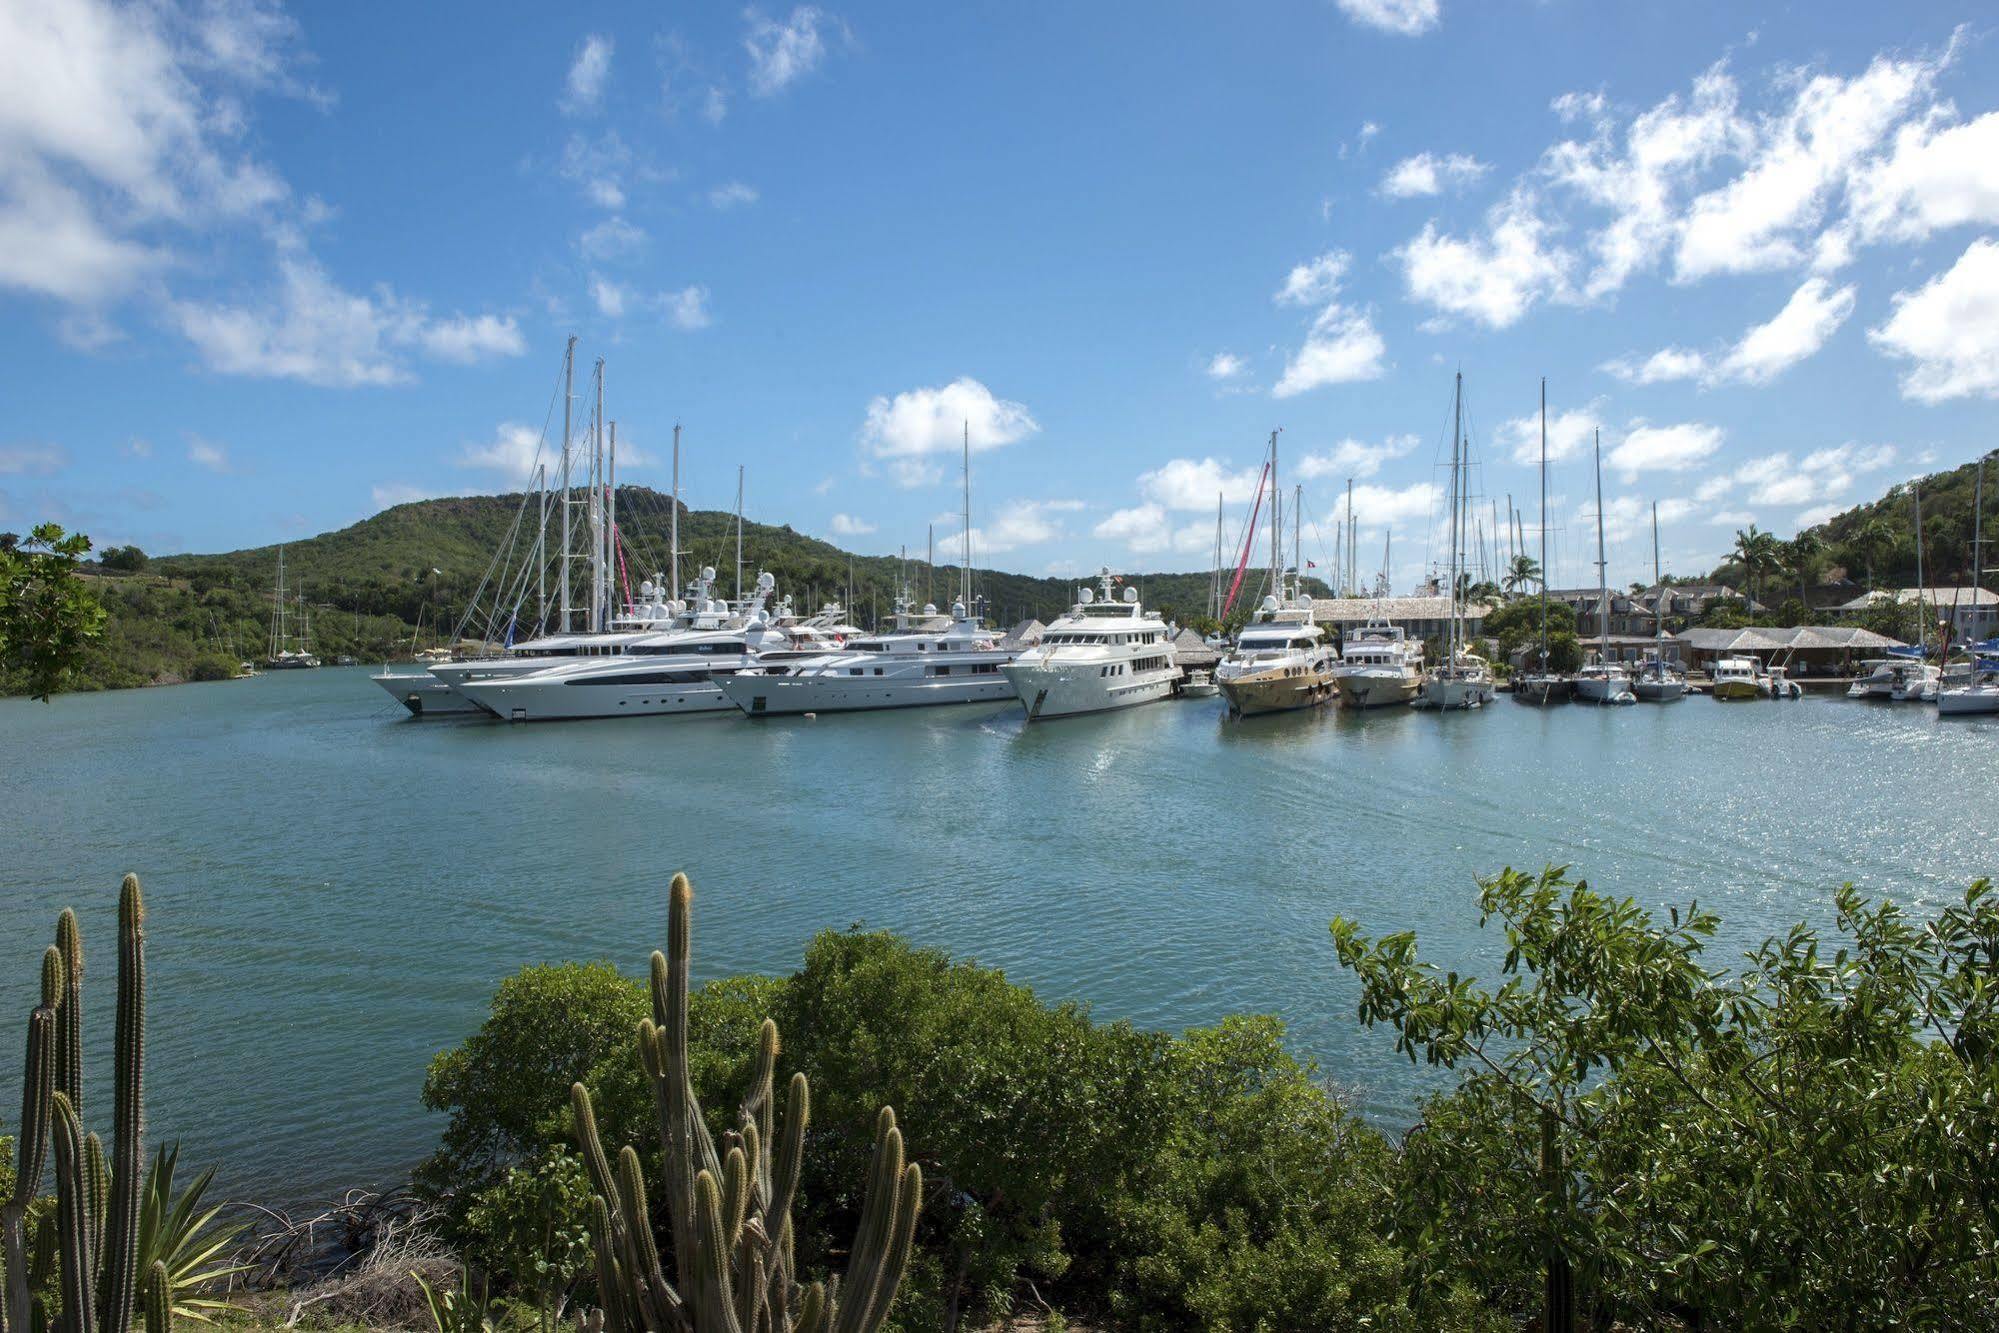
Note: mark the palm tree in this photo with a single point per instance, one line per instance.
(1871, 539)
(1756, 551)
(1524, 572)
(1806, 556)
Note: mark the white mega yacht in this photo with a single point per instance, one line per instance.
(1876, 682)
(902, 667)
(1380, 665)
(674, 671)
(1106, 653)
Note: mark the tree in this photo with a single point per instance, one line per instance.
(1757, 552)
(1872, 540)
(48, 618)
(1522, 573)
(125, 559)
(1806, 1139)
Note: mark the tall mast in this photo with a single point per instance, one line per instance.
(1457, 440)
(541, 551)
(1276, 523)
(967, 577)
(673, 531)
(1602, 567)
(1922, 630)
(1544, 525)
(568, 395)
(1351, 574)
(930, 563)
(1977, 538)
(1659, 591)
(739, 532)
(1215, 579)
(611, 517)
(1297, 551)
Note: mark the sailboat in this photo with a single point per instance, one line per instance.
(1462, 679)
(1281, 661)
(1980, 692)
(1602, 681)
(281, 656)
(1542, 687)
(1659, 681)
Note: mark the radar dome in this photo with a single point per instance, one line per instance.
(645, 590)
(1270, 602)
(1084, 596)
(766, 581)
(1131, 595)
(957, 610)
(930, 608)
(708, 572)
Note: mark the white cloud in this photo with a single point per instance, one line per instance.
(467, 339)
(1569, 433)
(1191, 483)
(1353, 458)
(1731, 518)
(1388, 505)
(612, 237)
(1949, 329)
(1799, 157)
(32, 460)
(598, 167)
(1937, 175)
(1407, 18)
(1579, 106)
(389, 494)
(1342, 348)
(1822, 475)
(1495, 277)
(1713, 489)
(512, 452)
(906, 429)
(1817, 514)
(207, 454)
(1143, 528)
(1628, 515)
(732, 194)
(311, 329)
(1664, 448)
(1017, 524)
(1343, 345)
(117, 118)
(609, 297)
(1431, 173)
(1226, 366)
(781, 53)
(846, 525)
(1812, 315)
(583, 91)
(1316, 281)
(687, 309)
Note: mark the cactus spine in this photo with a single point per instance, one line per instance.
(95, 1226)
(729, 1212)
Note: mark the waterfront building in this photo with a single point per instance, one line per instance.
(1972, 612)
(1418, 617)
(1806, 650)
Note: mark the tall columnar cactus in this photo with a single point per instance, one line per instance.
(728, 1212)
(95, 1227)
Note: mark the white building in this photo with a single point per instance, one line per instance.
(1973, 612)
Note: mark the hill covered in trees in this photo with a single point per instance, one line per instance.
(404, 578)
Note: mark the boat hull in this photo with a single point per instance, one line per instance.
(1965, 701)
(1540, 691)
(1728, 690)
(1659, 691)
(1444, 693)
(1071, 691)
(1252, 696)
(789, 696)
(522, 700)
(1366, 689)
(1603, 690)
(424, 695)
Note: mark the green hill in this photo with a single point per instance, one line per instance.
(404, 577)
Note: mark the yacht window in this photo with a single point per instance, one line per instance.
(856, 671)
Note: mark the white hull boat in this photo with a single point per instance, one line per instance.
(1967, 700)
(903, 668)
(1105, 654)
(1604, 685)
(425, 695)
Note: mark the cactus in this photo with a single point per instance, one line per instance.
(94, 1228)
(729, 1212)
(159, 1299)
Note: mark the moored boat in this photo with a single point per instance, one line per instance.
(1107, 653)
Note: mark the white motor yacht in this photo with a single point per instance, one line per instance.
(1281, 662)
(1107, 652)
(1915, 682)
(1740, 678)
(1876, 682)
(1380, 666)
(904, 667)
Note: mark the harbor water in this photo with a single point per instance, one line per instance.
(334, 890)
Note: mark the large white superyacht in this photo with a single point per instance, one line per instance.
(904, 666)
(1380, 666)
(1107, 652)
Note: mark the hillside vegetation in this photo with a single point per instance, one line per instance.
(403, 578)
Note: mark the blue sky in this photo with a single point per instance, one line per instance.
(264, 271)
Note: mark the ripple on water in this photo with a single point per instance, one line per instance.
(335, 890)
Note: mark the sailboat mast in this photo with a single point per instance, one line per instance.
(673, 530)
(967, 578)
(541, 550)
(568, 396)
(1276, 522)
(1922, 630)
(611, 516)
(1457, 426)
(1297, 550)
(1544, 524)
(1659, 591)
(596, 509)
(929, 562)
(1351, 574)
(1602, 567)
(1215, 579)
(739, 532)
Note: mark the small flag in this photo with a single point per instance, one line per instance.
(1311, 564)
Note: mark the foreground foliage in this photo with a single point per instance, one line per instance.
(48, 618)
(1808, 1140)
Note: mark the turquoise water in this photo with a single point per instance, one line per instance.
(334, 890)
